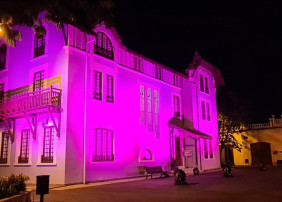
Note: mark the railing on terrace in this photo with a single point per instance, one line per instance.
(258, 126)
(30, 101)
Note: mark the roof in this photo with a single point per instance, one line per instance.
(199, 61)
(187, 130)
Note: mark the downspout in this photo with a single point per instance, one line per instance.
(200, 151)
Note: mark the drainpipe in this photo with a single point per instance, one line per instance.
(85, 101)
(200, 151)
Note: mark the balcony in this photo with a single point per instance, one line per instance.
(30, 103)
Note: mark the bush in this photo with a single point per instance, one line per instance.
(12, 185)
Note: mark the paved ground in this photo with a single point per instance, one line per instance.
(248, 184)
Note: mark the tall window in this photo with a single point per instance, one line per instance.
(48, 145)
(159, 73)
(24, 153)
(201, 83)
(39, 45)
(103, 145)
(142, 104)
(38, 81)
(206, 154)
(110, 88)
(103, 46)
(3, 53)
(203, 105)
(2, 88)
(138, 64)
(206, 85)
(4, 148)
(176, 104)
(156, 102)
(150, 112)
(97, 81)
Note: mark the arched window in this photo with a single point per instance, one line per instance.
(3, 53)
(147, 155)
(103, 46)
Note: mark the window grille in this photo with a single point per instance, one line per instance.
(201, 83)
(103, 46)
(97, 77)
(142, 104)
(39, 45)
(176, 104)
(24, 153)
(38, 81)
(2, 87)
(103, 145)
(4, 148)
(48, 145)
(3, 53)
(150, 112)
(138, 64)
(110, 89)
(203, 105)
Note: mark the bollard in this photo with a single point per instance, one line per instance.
(42, 186)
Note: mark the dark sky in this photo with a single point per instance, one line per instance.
(242, 38)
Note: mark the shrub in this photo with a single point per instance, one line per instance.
(12, 185)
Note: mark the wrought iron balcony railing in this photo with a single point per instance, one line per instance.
(29, 102)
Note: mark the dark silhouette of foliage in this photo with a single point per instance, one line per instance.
(83, 14)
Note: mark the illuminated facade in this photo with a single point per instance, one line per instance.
(84, 109)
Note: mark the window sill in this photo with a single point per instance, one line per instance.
(46, 164)
(39, 57)
(4, 165)
(22, 165)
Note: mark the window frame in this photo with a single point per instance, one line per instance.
(138, 64)
(51, 150)
(110, 88)
(2, 91)
(21, 159)
(103, 46)
(204, 83)
(176, 106)
(3, 55)
(39, 50)
(38, 84)
(4, 142)
(159, 73)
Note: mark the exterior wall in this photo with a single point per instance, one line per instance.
(21, 67)
(271, 135)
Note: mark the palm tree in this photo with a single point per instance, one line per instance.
(83, 14)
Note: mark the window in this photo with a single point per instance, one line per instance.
(110, 89)
(24, 153)
(39, 45)
(142, 104)
(150, 113)
(147, 155)
(211, 149)
(206, 85)
(203, 105)
(97, 80)
(208, 112)
(48, 145)
(3, 53)
(138, 64)
(156, 101)
(159, 73)
(201, 83)
(103, 46)
(4, 148)
(206, 154)
(176, 104)
(176, 80)
(103, 145)
(2, 87)
(38, 81)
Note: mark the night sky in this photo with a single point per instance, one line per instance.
(242, 38)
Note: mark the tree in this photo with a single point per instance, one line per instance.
(83, 14)
(226, 130)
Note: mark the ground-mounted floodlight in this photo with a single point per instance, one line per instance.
(180, 178)
(196, 171)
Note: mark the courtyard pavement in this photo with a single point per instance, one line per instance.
(248, 184)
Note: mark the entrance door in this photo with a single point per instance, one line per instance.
(188, 159)
(177, 152)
